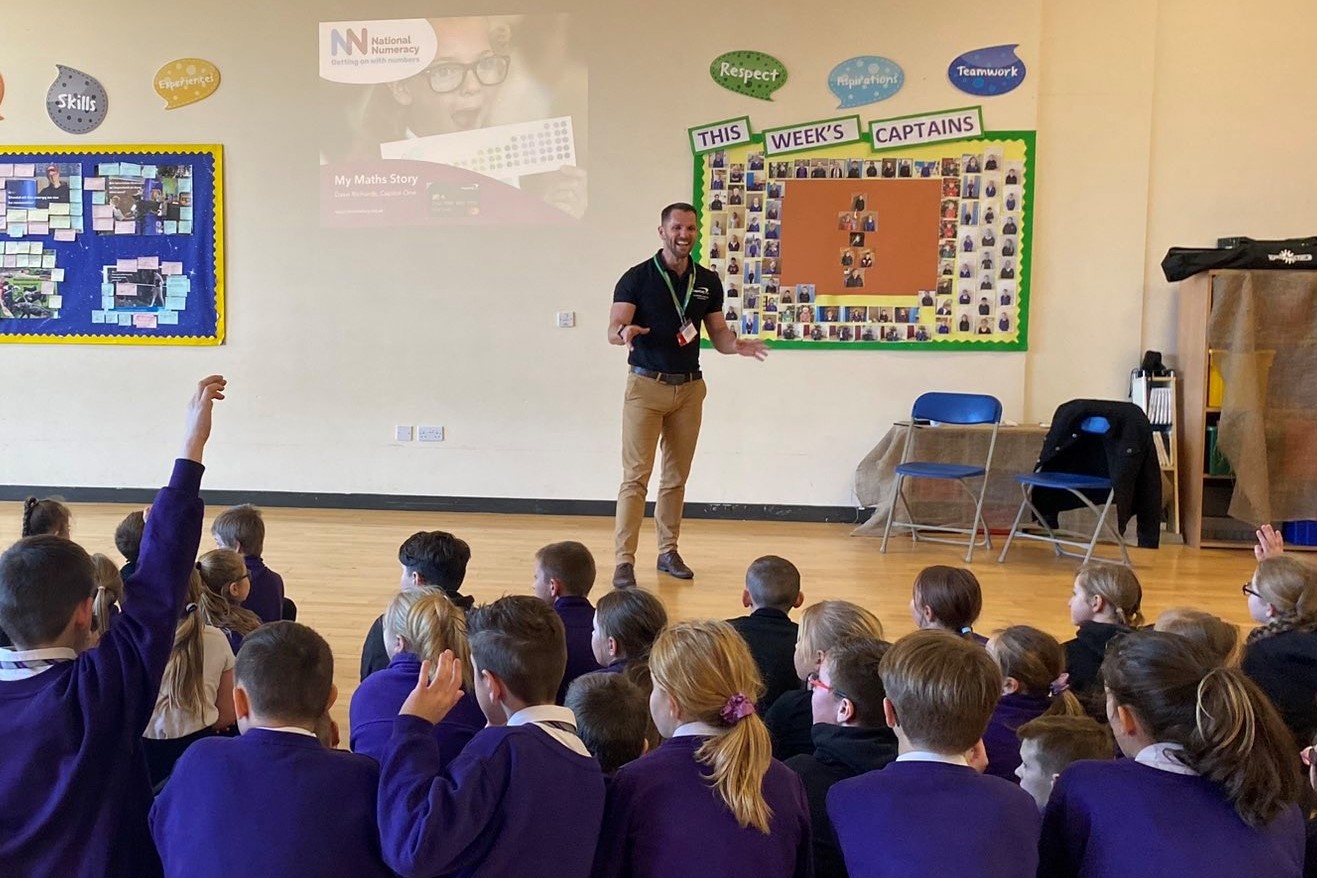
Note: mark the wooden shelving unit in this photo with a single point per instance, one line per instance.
(1165, 424)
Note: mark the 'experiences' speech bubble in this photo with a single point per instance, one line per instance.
(865, 80)
(186, 81)
(987, 72)
(76, 102)
(2, 92)
(749, 73)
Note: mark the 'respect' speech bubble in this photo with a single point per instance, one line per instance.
(866, 79)
(988, 72)
(186, 81)
(76, 101)
(749, 73)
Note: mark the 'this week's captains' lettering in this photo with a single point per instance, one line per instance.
(715, 136)
(930, 128)
(806, 136)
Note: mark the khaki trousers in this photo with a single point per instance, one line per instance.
(653, 412)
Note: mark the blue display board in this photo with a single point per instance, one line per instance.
(112, 245)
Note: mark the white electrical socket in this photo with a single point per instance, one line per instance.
(566, 319)
(402, 433)
(430, 434)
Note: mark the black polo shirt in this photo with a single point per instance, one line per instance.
(643, 286)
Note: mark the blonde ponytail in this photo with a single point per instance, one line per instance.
(1290, 586)
(183, 687)
(707, 670)
(109, 592)
(220, 568)
(429, 623)
(1117, 585)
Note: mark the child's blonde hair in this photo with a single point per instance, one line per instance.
(1290, 586)
(1036, 661)
(220, 568)
(183, 688)
(1214, 634)
(428, 623)
(707, 670)
(1117, 585)
(830, 623)
(109, 591)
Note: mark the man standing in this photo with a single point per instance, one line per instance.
(657, 310)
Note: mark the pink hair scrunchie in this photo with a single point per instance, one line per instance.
(1059, 685)
(737, 708)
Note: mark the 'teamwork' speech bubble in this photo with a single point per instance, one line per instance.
(865, 80)
(186, 81)
(76, 101)
(749, 73)
(994, 70)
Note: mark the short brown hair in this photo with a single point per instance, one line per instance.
(1212, 633)
(1066, 739)
(287, 671)
(773, 582)
(43, 580)
(952, 593)
(612, 717)
(853, 667)
(520, 640)
(944, 689)
(571, 564)
(633, 617)
(128, 536)
(240, 525)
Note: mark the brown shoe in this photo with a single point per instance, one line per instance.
(624, 576)
(671, 564)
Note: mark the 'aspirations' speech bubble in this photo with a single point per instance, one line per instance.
(749, 73)
(76, 101)
(988, 72)
(186, 81)
(867, 79)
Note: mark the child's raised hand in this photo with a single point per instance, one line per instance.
(197, 431)
(433, 698)
(1269, 543)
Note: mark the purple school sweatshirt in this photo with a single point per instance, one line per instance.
(665, 820)
(375, 706)
(1000, 740)
(515, 802)
(577, 614)
(269, 803)
(934, 819)
(74, 793)
(1121, 818)
(267, 595)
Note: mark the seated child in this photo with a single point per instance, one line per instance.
(1105, 604)
(128, 540)
(850, 737)
(1281, 654)
(1209, 784)
(823, 626)
(242, 529)
(418, 626)
(1034, 684)
(107, 597)
(772, 589)
(948, 598)
(285, 804)
(225, 584)
(626, 622)
(47, 516)
(661, 819)
(1212, 633)
(941, 690)
(564, 575)
(429, 559)
(1050, 743)
(73, 788)
(612, 718)
(488, 812)
(196, 694)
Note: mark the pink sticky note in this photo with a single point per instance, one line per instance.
(102, 224)
(125, 265)
(25, 170)
(66, 235)
(47, 287)
(11, 262)
(144, 321)
(102, 211)
(94, 184)
(38, 228)
(171, 268)
(125, 227)
(148, 262)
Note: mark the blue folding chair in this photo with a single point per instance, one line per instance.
(1077, 484)
(946, 408)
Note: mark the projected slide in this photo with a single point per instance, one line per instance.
(472, 120)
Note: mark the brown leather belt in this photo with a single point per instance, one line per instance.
(672, 378)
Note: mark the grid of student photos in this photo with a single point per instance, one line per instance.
(980, 224)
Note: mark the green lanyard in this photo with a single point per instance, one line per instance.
(690, 287)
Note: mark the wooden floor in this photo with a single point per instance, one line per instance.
(341, 567)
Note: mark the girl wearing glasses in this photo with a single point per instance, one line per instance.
(1281, 655)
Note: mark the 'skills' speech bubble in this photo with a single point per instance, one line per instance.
(749, 73)
(76, 102)
(987, 72)
(186, 81)
(865, 80)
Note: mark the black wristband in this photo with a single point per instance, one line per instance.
(621, 329)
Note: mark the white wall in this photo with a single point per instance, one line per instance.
(335, 336)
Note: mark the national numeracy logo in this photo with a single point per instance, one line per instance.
(354, 39)
(366, 52)
(1289, 257)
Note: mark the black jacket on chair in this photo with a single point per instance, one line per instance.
(1125, 454)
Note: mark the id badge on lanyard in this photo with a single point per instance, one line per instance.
(688, 332)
